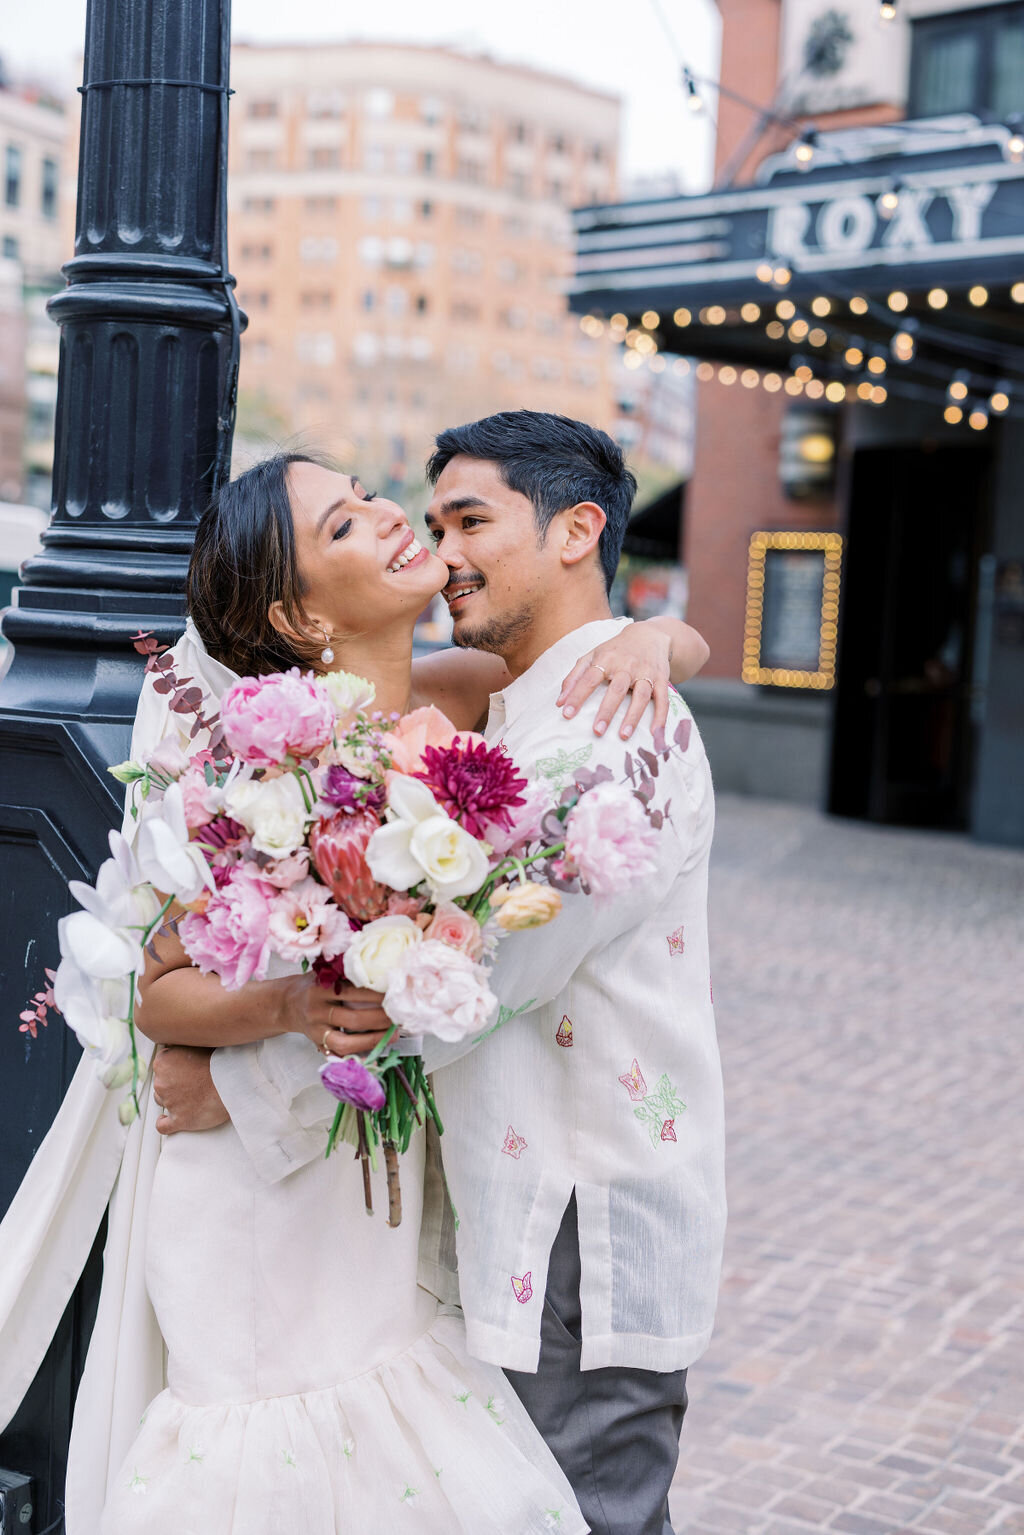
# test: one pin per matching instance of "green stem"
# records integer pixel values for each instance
(335, 1127)
(130, 1020)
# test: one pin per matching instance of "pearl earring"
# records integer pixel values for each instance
(327, 654)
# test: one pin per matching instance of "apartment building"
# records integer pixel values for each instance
(400, 232)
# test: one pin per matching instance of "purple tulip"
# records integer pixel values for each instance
(347, 1079)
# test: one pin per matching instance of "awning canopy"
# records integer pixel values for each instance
(895, 260)
(655, 531)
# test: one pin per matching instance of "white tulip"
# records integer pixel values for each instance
(166, 857)
(97, 1012)
(377, 948)
(102, 952)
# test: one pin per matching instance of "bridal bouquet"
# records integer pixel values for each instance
(300, 826)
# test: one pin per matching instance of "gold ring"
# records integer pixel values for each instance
(648, 681)
(323, 1044)
(599, 668)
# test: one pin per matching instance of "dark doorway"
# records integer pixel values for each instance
(902, 741)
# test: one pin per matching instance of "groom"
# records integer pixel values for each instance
(584, 1141)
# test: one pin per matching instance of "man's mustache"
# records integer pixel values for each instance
(463, 579)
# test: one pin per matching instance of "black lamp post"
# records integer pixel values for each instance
(145, 408)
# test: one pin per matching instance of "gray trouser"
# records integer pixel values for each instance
(614, 1432)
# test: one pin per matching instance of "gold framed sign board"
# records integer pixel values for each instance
(792, 616)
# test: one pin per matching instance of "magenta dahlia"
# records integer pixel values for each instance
(477, 784)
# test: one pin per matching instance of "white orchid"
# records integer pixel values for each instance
(97, 1012)
(421, 842)
(165, 855)
(101, 952)
(121, 898)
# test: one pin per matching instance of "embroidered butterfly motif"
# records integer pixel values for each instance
(523, 1288)
(660, 1110)
(675, 942)
(514, 1144)
(668, 1130)
(560, 768)
(564, 1035)
(634, 1083)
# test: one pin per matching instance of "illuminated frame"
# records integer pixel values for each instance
(831, 544)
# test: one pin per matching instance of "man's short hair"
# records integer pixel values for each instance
(555, 462)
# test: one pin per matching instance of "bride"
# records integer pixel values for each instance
(311, 1385)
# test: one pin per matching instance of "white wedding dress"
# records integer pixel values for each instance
(312, 1387)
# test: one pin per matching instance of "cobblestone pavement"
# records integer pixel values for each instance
(867, 1373)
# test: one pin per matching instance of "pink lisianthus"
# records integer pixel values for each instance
(455, 927)
(439, 990)
(609, 840)
(269, 719)
(285, 872)
(168, 756)
(524, 821)
(305, 923)
(407, 906)
(416, 731)
(231, 937)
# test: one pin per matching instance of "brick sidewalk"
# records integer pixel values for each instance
(867, 1373)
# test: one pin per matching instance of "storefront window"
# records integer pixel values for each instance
(971, 61)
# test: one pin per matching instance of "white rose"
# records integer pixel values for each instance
(452, 861)
(377, 948)
(420, 843)
(272, 811)
(347, 692)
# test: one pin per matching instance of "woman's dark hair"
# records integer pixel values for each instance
(242, 562)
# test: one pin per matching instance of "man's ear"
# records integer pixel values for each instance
(304, 638)
(582, 526)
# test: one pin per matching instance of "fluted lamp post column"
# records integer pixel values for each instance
(145, 408)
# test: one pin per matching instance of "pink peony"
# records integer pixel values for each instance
(414, 733)
(231, 937)
(269, 719)
(524, 821)
(197, 796)
(439, 990)
(285, 872)
(407, 906)
(305, 923)
(475, 783)
(610, 841)
(455, 927)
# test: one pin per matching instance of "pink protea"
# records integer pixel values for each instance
(609, 840)
(475, 783)
(231, 937)
(338, 843)
(268, 720)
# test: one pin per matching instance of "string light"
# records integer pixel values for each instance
(853, 357)
(876, 364)
(1017, 293)
(715, 315)
(1000, 399)
(904, 341)
(803, 373)
(751, 312)
(781, 276)
(897, 301)
(953, 414)
(618, 322)
(772, 382)
(977, 295)
(821, 307)
(650, 319)
(890, 200)
(958, 386)
(938, 298)
(858, 305)
(805, 147)
(681, 366)
(794, 386)
(978, 419)
(1013, 149)
(775, 330)
(693, 97)
(818, 337)
(835, 391)
(864, 390)
(705, 371)
(765, 272)
(798, 330)
(887, 10)
(814, 388)
(879, 395)
(785, 309)
(658, 364)
(750, 378)
(682, 317)
(727, 375)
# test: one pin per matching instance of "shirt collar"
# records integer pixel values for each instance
(546, 674)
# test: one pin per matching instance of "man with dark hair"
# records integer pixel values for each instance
(584, 1141)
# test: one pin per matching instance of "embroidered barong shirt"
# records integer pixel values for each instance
(599, 1075)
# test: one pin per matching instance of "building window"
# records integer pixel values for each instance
(260, 159)
(375, 158)
(401, 210)
(264, 108)
(518, 132)
(468, 218)
(426, 210)
(12, 176)
(558, 144)
(428, 162)
(431, 109)
(258, 205)
(515, 182)
(324, 157)
(48, 193)
(318, 204)
(311, 249)
(469, 170)
(257, 252)
(368, 299)
(317, 300)
(422, 303)
(379, 103)
(405, 160)
(372, 207)
(321, 104)
(10, 248)
(970, 61)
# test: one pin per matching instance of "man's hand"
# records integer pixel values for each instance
(183, 1089)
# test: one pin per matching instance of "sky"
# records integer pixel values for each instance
(632, 47)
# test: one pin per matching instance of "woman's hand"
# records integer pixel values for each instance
(349, 1024)
(642, 659)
